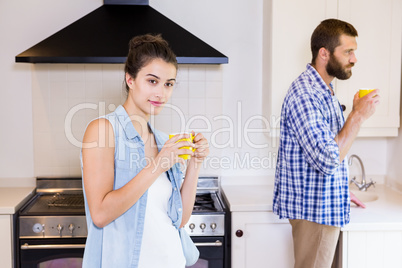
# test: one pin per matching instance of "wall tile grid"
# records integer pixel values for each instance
(66, 97)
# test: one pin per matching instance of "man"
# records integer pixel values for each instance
(311, 182)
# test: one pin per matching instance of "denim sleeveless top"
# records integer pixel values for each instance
(118, 244)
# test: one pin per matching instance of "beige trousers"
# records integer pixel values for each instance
(314, 244)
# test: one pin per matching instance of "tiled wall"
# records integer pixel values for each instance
(67, 96)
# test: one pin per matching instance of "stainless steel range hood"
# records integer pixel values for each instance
(102, 36)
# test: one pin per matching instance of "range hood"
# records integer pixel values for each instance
(103, 35)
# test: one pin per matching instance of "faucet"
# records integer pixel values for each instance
(363, 186)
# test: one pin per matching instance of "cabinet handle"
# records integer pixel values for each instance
(239, 233)
(343, 106)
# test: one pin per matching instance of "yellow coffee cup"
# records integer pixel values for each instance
(364, 91)
(191, 139)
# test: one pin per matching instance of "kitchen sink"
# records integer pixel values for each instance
(365, 196)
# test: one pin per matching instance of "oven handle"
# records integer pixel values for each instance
(57, 246)
(217, 243)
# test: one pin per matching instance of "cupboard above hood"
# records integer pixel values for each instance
(103, 35)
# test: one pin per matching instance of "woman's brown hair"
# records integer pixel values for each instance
(145, 48)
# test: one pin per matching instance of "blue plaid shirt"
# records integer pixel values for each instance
(310, 181)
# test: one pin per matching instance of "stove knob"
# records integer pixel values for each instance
(71, 228)
(213, 226)
(202, 226)
(192, 226)
(59, 228)
(37, 228)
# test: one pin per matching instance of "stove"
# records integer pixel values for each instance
(208, 216)
(56, 211)
(52, 227)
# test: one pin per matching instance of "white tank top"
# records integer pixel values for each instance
(161, 245)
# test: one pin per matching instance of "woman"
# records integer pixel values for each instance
(134, 199)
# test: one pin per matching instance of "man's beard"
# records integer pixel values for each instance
(334, 68)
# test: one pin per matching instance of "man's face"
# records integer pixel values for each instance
(343, 59)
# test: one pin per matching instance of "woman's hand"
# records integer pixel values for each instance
(189, 187)
(169, 154)
(202, 148)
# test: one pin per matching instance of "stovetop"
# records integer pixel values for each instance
(64, 196)
(55, 204)
(59, 204)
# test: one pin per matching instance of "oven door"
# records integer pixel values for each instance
(49, 253)
(211, 251)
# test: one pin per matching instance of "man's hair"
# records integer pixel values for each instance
(327, 35)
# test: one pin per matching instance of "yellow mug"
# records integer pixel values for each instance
(191, 139)
(364, 91)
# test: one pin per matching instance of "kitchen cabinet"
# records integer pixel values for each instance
(6, 241)
(287, 33)
(260, 239)
(373, 238)
(370, 249)
(11, 199)
(379, 24)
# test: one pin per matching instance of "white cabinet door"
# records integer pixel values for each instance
(288, 25)
(260, 240)
(379, 24)
(372, 249)
(6, 242)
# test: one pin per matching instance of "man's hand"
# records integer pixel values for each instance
(362, 109)
(354, 199)
(366, 106)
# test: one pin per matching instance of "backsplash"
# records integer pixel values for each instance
(66, 97)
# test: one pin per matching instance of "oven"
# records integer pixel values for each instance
(52, 253)
(51, 226)
(209, 225)
(52, 230)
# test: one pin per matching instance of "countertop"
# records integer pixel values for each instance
(11, 198)
(248, 197)
(385, 213)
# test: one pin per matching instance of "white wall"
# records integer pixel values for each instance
(23, 24)
(233, 27)
(394, 165)
(66, 97)
(236, 29)
(373, 153)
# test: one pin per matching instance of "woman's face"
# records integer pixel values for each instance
(152, 87)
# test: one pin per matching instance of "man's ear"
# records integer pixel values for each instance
(324, 54)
